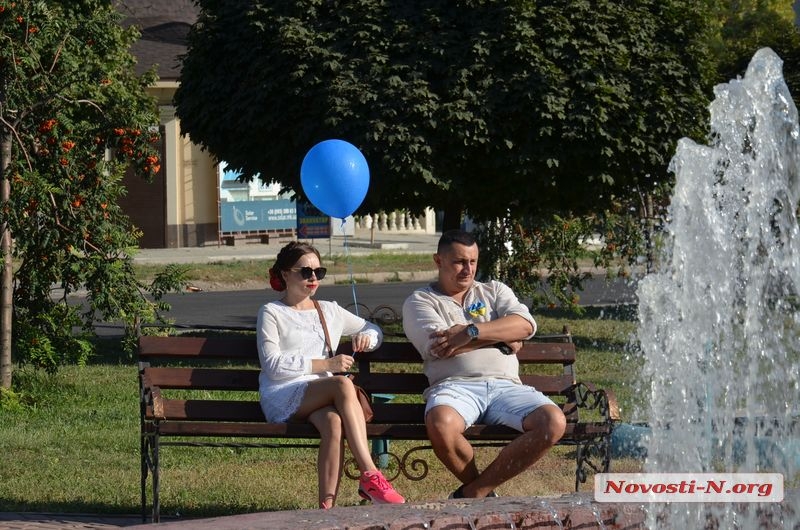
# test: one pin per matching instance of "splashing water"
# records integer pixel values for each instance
(720, 322)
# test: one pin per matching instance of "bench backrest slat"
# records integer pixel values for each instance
(531, 352)
(244, 348)
(398, 412)
(393, 383)
(212, 410)
(555, 385)
(547, 353)
(192, 348)
(203, 378)
(389, 352)
(416, 383)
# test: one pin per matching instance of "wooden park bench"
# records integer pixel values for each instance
(176, 375)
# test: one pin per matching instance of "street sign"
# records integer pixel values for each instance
(312, 223)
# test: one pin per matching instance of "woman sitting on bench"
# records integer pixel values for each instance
(296, 338)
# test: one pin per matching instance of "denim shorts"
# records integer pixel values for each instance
(491, 401)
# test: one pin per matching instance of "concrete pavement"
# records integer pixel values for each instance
(546, 513)
(575, 510)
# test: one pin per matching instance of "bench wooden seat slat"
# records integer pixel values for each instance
(238, 429)
(204, 391)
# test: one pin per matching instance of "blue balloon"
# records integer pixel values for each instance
(335, 177)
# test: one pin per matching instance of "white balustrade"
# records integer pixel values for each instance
(397, 221)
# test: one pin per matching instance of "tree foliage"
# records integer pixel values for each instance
(551, 120)
(744, 27)
(74, 116)
(482, 106)
(544, 259)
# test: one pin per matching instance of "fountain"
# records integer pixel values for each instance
(720, 322)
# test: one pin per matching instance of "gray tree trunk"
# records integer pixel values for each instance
(7, 276)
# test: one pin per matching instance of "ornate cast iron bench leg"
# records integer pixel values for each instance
(594, 454)
(150, 465)
(156, 477)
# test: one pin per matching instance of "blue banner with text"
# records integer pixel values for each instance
(244, 216)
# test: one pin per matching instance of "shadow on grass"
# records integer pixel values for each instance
(74, 508)
(78, 514)
(622, 312)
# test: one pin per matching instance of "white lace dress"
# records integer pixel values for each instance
(288, 340)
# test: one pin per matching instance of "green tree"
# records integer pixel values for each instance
(73, 117)
(745, 26)
(479, 106)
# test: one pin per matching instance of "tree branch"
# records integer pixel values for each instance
(19, 140)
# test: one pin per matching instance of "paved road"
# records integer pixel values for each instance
(238, 309)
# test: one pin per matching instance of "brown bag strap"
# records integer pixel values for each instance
(324, 327)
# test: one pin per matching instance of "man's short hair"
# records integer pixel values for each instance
(455, 235)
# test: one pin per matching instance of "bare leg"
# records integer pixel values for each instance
(543, 428)
(445, 429)
(339, 392)
(330, 460)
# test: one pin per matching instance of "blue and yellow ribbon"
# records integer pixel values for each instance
(477, 309)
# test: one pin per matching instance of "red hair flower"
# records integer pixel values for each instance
(275, 281)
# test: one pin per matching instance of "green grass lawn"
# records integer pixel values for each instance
(73, 444)
(238, 271)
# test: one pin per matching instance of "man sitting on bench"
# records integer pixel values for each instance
(467, 333)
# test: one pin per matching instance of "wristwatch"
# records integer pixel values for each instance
(472, 331)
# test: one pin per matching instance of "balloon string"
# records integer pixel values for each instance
(349, 266)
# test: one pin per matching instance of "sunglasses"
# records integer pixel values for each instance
(306, 272)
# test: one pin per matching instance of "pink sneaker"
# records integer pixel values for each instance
(372, 486)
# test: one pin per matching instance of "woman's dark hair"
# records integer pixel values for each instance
(287, 257)
(455, 236)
